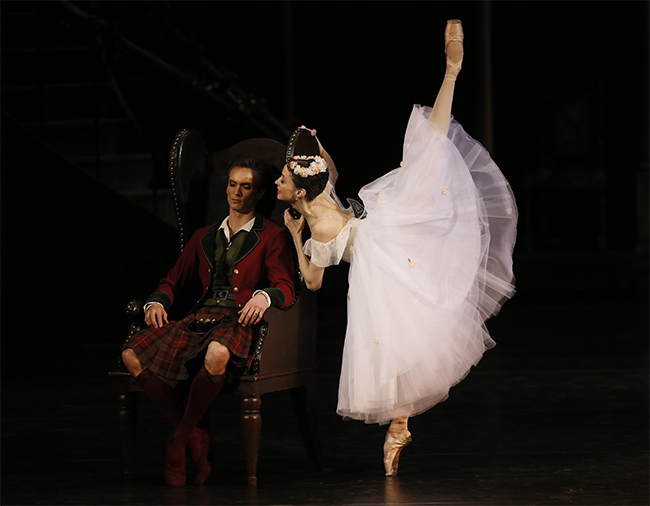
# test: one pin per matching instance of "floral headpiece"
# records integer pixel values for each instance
(317, 166)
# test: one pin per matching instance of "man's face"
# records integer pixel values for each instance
(241, 191)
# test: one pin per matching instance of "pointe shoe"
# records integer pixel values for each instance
(198, 447)
(393, 446)
(454, 33)
(174, 472)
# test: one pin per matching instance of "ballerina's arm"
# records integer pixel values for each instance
(334, 174)
(312, 274)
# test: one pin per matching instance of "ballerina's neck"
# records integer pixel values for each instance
(319, 208)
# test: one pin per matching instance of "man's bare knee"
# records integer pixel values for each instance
(132, 362)
(216, 358)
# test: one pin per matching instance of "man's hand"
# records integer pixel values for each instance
(156, 316)
(253, 311)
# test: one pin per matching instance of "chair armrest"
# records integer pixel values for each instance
(290, 340)
(134, 309)
(135, 315)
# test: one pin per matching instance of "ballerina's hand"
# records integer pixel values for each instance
(295, 226)
(312, 130)
(313, 134)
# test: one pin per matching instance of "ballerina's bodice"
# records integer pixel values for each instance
(341, 247)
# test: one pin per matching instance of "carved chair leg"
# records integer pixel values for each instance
(251, 428)
(128, 418)
(305, 408)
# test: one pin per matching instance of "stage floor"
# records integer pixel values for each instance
(555, 414)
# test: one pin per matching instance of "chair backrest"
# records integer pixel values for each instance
(198, 180)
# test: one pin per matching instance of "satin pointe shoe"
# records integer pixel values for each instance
(392, 449)
(198, 446)
(174, 472)
(454, 52)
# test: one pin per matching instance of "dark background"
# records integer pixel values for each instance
(93, 94)
(558, 92)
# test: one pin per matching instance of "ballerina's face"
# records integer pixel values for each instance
(287, 190)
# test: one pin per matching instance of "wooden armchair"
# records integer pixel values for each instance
(285, 350)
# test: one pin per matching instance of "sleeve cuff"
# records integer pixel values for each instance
(149, 304)
(161, 298)
(266, 296)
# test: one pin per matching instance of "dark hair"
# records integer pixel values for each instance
(263, 179)
(262, 170)
(313, 185)
(302, 143)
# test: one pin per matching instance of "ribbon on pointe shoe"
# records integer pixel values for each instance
(453, 33)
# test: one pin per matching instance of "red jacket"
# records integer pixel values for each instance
(266, 261)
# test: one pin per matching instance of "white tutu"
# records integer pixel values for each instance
(430, 262)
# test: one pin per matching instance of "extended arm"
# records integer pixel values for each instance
(334, 174)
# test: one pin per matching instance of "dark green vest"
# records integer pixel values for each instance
(224, 259)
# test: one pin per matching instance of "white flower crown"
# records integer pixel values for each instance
(317, 166)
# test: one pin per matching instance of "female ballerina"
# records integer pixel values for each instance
(430, 262)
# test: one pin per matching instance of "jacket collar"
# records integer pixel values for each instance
(252, 239)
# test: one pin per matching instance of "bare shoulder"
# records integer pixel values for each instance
(327, 229)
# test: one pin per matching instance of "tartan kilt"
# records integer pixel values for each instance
(165, 350)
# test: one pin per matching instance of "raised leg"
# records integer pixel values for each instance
(251, 429)
(441, 113)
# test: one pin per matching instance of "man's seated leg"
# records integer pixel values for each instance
(162, 394)
(216, 359)
(132, 362)
(206, 386)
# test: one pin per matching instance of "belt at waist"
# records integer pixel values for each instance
(221, 297)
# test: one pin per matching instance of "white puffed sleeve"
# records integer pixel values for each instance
(332, 252)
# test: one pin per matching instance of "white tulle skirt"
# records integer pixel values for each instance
(431, 262)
